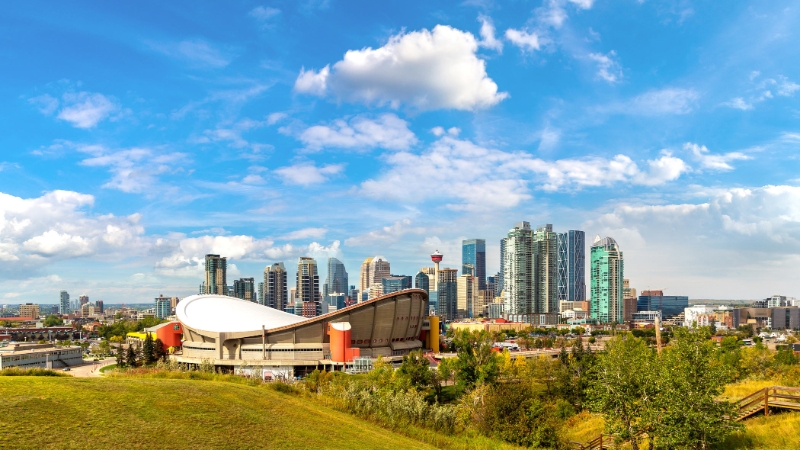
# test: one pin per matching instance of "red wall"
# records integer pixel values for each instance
(169, 335)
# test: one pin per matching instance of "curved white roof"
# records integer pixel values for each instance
(219, 313)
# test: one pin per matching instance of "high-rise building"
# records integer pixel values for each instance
(29, 310)
(629, 300)
(545, 270)
(655, 300)
(336, 281)
(84, 299)
(98, 304)
(422, 281)
(607, 267)
(275, 287)
(481, 303)
(500, 281)
(467, 291)
(216, 269)
(307, 282)
(518, 281)
(244, 288)
(473, 259)
(447, 294)
(260, 292)
(378, 270)
(365, 277)
(163, 307)
(395, 283)
(572, 266)
(64, 303)
(353, 294)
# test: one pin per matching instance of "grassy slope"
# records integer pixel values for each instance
(44, 412)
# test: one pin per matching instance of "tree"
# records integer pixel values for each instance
(148, 350)
(130, 357)
(416, 369)
(160, 352)
(120, 357)
(625, 389)
(476, 363)
(690, 378)
(53, 320)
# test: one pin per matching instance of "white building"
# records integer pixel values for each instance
(45, 356)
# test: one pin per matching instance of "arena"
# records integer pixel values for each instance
(236, 334)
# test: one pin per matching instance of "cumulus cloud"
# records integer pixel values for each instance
(387, 131)
(45, 103)
(424, 69)
(527, 41)
(58, 226)
(488, 39)
(719, 162)
(80, 109)
(384, 236)
(762, 90)
(607, 68)
(307, 173)
(474, 176)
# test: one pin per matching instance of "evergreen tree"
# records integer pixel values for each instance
(120, 357)
(148, 350)
(159, 351)
(130, 357)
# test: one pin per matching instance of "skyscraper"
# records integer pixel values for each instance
(244, 288)
(500, 281)
(365, 278)
(607, 276)
(447, 293)
(373, 270)
(216, 268)
(545, 271)
(307, 280)
(84, 299)
(276, 294)
(260, 292)
(162, 307)
(518, 281)
(572, 266)
(473, 259)
(336, 281)
(98, 304)
(422, 281)
(64, 303)
(467, 292)
(395, 283)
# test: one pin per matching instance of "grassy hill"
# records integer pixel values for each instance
(56, 412)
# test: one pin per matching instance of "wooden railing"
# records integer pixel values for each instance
(773, 397)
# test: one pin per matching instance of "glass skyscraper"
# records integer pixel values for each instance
(276, 294)
(572, 266)
(473, 259)
(244, 288)
(64, 303)
(336, 281)
(307, 280)
(395, 283)
(606, 304)
(422, 281)
(216, 269)
(518, 280)
(545, 272)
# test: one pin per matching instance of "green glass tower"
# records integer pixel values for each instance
(607, 278)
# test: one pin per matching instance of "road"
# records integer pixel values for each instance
(91, 368)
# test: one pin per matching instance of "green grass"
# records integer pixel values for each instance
(120, 412)
(108, 367)
(776, 431)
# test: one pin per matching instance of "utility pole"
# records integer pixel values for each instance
(658, 335)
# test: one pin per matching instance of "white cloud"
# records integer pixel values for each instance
(607, 68)
(473, 176)
(384, 236)
(387, 131)
(422, 69)
(312, 82)
(786, 88)
(583, 4)
(133, 170)
(276, 117)
(660, 102)
(81, 109)
(57, 226)
(738, 103)
(197, 52)
(488, 39)
(307, 173)
(264, 13)
(305, 233)
(711, 161)
(437, 131)
(523, 39)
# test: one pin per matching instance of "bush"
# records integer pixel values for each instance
(36, 372)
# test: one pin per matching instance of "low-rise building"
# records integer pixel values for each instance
(45, 356)
(29, 310)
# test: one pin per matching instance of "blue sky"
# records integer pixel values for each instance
(137, 138)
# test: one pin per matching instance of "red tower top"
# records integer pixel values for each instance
(436, 256)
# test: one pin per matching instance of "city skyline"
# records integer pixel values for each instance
(138, 140)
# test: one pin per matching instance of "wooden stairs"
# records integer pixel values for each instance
(763, 400)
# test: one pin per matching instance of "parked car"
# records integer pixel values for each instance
(66, 369)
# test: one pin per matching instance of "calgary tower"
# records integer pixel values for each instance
(436, 257)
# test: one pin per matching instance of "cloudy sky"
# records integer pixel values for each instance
(136, 138)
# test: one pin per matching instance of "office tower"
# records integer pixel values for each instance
(482, 302)
(163, 307)
(473, 259)
(336, 301)
(307, 281)
(627, 290)
(395, 283)
(84, 299)
(29, 310)
(518, 281)
(275, 287)
(336, 281)
(467, 292)
(447, 293)
(655, 300)
(378, 269)
(422, 281)
(98, 304)
(64, 303)
(545, 270)
(260, 292)
(244, 288)
(572, 266)
(607, 267)
(354, 294)
(365, 278)
(216, 281)
(500, 282)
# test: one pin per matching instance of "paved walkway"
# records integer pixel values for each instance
(90, 368)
